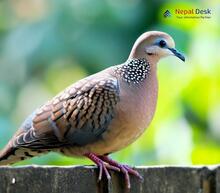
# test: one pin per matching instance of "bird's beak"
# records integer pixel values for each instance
(177, 54)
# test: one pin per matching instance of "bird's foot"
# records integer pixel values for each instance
(104, 163)
(125, 169)
(103, 166)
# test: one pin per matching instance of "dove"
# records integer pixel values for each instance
(100, 114)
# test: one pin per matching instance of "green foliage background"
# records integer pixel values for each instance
(46, 45)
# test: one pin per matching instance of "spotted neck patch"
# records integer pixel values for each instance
(134, 70)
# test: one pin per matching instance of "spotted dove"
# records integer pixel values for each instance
(99, 114)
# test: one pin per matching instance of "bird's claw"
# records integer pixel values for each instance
(104, 167)
(104, 163)
(125, 169)
(133, 172)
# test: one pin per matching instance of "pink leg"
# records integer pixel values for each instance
(126, 170)
(104, 163)
(102, 166)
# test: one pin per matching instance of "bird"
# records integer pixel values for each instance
(100, 114)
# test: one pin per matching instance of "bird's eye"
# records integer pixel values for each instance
(162, 43)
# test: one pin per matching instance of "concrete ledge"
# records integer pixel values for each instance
(81, 179)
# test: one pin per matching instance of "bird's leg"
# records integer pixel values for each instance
(103, 166)
(126, 170)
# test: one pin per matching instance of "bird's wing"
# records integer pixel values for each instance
(77, 116)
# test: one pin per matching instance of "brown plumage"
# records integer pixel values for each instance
(100, 114)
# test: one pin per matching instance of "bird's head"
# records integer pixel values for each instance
(154, 45)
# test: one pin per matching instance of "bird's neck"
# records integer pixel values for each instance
(134, 71)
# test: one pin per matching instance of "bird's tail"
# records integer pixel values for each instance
(7, 155)
(10, 155)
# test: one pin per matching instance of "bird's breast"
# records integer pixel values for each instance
(134, 114)
(137, 107)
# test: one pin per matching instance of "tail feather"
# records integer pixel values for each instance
(7, 155)
(10, 155)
